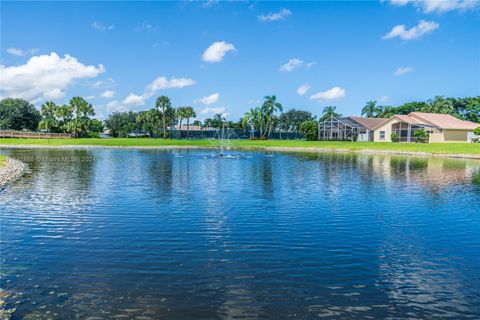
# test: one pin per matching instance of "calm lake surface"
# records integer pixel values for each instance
(183, 234)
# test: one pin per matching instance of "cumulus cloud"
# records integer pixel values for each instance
(44, 76)
(134, 100)
(208, 110)
(217, 51)
(275, 16)
(21, 53)
(331, 94)
(439, 6)
(303, 89)
(423, 28)
(160, 83)
(403, 70)
(209, 99)
(295, 63)
(100, 26)
(107, 94)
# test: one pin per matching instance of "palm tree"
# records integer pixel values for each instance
(370, 110)
(329, 111)
(269, 107)
(163, 104)
(189, 113)
(253, 118)
(48, 111)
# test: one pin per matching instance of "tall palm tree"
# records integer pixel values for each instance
(370, 110)
(269, 107)
(49, 121)
(189, 113)
(163, 104)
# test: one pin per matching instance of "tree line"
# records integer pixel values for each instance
(77, 117)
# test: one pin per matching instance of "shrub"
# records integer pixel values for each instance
(477, 131)
(421, 136)
(394, 136)
(355, 137)
(309, 129)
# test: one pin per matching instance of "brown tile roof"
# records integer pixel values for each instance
(368, 123)
(444, 121)
(410, 120)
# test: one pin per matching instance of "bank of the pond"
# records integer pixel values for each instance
(10, 169)
(456, 150)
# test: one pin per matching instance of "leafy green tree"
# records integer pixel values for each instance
(49, 121)
(18, 114)
(96, 127)
(121, 124)
(291, 120)
(370, 109)
(310, 130)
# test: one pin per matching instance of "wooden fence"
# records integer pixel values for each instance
(33, 135)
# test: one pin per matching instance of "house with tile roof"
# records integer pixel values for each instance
(441, 128)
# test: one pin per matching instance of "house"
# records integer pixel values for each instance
(441, 127)
(348, 128)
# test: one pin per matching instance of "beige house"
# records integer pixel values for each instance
(442, 127)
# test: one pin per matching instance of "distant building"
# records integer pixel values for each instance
(441, 127)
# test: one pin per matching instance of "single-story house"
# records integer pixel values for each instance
(441, 127)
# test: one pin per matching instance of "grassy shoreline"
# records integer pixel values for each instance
(445, 149)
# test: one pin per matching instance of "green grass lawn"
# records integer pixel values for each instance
(438, 148)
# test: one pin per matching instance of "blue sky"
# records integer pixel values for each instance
(225, 56)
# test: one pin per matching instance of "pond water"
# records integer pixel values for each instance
(183, 234)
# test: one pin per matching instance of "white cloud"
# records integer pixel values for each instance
(303, 89)
(423, 28)
(116, 106)
(135, 100)
(295, 63)
(44, 76)
(20, 52)
(217, 51)
(439, 6)
(275, 16)
(331, 94)
(161, 83)
(403, 70)
(208, 110)
(108, 82)
(399, 2)
(107, 94)
(209, 99)
(100, 26)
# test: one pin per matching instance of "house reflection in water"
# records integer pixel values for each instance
(432, 172)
